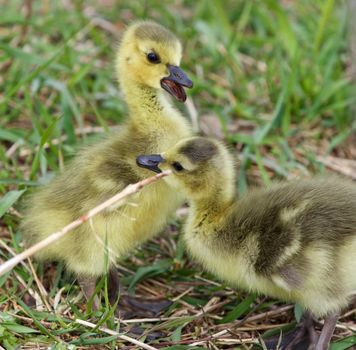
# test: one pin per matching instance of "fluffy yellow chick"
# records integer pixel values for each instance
(295, 240)
(147, 63)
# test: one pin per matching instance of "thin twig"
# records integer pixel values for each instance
(193, 113)
(183, 294)
(111, 332)
(31, 291)
(13, 253)
(227, 340)
(41, 289)
(268, 314)
(343, 166)
(100, 22)
(128, 190)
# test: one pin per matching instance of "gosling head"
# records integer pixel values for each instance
(150, 55)
(201, 168)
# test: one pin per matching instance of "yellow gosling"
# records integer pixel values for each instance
(295, 241)
(147, 66)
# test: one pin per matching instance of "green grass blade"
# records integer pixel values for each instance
(8, 200)
(346, 343)
(328, 7)
(240, 309)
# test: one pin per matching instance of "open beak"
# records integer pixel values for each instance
(175, 81)
(150, 162)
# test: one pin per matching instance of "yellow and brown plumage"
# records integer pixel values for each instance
(147, 63)
(295, 241)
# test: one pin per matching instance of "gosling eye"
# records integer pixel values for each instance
(153, 57)
(177, 166)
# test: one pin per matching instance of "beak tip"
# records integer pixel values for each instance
(150, 162)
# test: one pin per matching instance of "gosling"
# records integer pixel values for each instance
(295, 241)
(147, 64)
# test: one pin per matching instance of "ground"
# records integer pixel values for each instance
(274, 79)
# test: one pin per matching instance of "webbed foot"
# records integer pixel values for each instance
(304, 337)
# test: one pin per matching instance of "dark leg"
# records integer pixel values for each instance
(114, 289)
(304, 334)
(126, 306)
(301, 338)
(327, 332)
(130, 306)
(87, 285)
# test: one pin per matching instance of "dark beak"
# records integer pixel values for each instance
(150, 162)
(175, 81)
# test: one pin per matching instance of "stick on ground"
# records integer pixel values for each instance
(121, 336)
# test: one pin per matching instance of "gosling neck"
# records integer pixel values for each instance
(144, 101)
(216, 204)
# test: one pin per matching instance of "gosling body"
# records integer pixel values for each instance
(145, 58)
(295, 241)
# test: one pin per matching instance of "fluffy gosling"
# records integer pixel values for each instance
(147, 65)
(295, 241)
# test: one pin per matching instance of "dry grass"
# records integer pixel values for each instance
(272, 78)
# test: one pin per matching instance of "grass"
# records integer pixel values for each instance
(270, 77)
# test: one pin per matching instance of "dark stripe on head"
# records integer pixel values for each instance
(199, 150)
